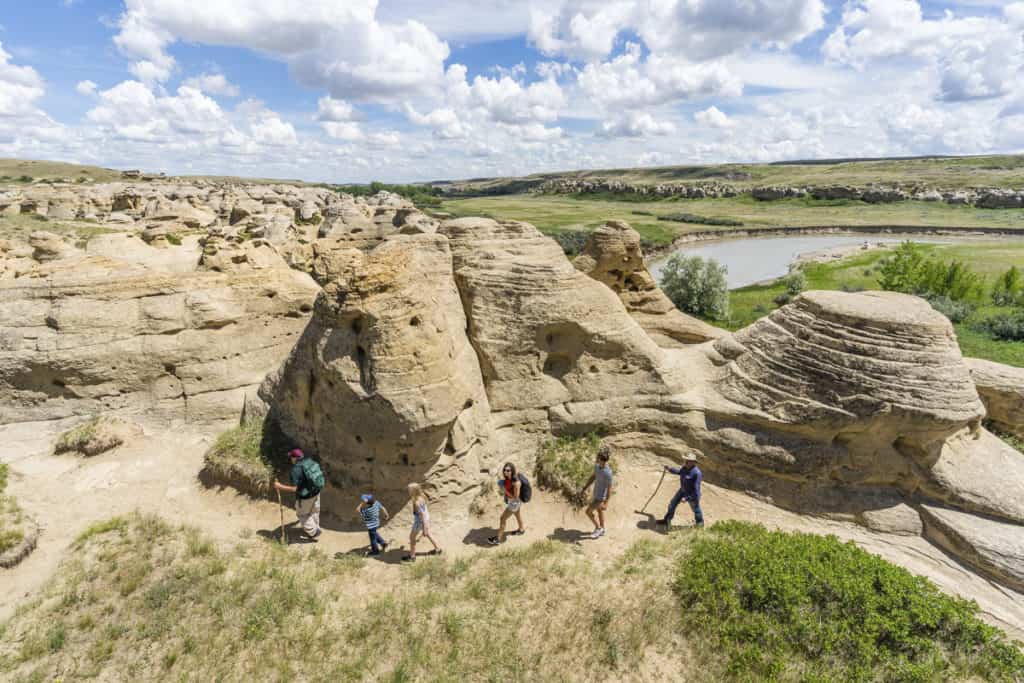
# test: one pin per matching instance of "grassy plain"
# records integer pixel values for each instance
(142, 600)
(556, 213)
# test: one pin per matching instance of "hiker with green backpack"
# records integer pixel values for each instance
(308, 480)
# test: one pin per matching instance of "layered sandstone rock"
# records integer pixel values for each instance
(613, 256)
(1001, 388)
(384, 386)
(90, 334)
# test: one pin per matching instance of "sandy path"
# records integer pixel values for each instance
(66, 494)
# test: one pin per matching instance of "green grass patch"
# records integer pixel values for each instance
(245, 457)
(699, 220)
(564, 465)
(801, 607)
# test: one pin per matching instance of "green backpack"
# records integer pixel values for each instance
(312, 476)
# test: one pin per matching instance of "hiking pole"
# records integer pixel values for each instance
(658, 488)
(280, 507)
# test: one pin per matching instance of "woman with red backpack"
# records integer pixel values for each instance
(516, 490)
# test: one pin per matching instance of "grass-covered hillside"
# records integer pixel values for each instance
(142, 600)
(1003, 171)
(661, 221)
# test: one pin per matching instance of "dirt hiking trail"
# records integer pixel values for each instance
(67, 493)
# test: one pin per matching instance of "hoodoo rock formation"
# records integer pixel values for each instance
(397, 348)
(613, 257)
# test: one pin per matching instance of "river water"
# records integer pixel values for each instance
(750, 260)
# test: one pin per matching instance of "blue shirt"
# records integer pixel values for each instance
(689, 481)
(371, 515)
(602, 481)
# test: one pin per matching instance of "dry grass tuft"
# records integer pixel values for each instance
(98, 435)
(565, 464)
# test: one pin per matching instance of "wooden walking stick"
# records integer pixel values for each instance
(280, 507)
(658, 488)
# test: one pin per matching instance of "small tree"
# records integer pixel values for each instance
(795, 283)
(900, 272)
(1008, 288)
(696, 286)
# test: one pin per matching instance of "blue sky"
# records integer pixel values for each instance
(404, 90)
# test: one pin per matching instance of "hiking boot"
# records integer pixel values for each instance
(493, 540)
(517, 532)
(408, 558)
(598, 533)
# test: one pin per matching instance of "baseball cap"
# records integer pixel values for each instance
(296, 453)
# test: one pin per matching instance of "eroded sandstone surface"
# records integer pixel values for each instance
(398, 348)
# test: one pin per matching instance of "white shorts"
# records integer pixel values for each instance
(513, 505)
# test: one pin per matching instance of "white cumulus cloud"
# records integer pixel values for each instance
(213, 84)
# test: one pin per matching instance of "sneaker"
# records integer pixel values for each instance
(662, 522)
(517, 532)
(315, 537)
(439, 551)
(370, 553)
(408, 558)
(598, 533)
(493, 540)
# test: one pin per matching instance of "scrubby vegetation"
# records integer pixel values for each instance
(245, 457)
(696, 286)
(142, 600)
(700, 220)
(11, 532)
(565, 464)
(89, 438)
(781, 606)
(910, 270)
(423, 196)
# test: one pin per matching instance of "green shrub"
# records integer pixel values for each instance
(782, 299)
(700, 220)
(420, 195)
(696, 286)
(956, 311)
(174, 239)
(1005, 326)
(908, 270)
(565, 464)
(795, 282)
(571, 241)
(782, 606)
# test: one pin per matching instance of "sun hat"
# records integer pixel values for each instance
(692, 455)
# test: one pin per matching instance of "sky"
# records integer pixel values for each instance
(412, 90)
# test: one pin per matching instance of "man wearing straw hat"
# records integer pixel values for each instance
(689, 490)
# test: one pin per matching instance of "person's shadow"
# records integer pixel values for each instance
(569, 535)
(390, 556)
(650, 523)
(292, 532)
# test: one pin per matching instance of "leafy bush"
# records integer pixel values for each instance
(1005, 326)
(696, 286)
(908, 270)
(700, 220)
(782, 299)
(795, 282)
(565, 464)
(804, 607)
(1008, 288)
(956, 311)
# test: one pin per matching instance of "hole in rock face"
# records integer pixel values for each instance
(550, 339)
(359, 439)
(593, 368)
(468, 404)
(357, 325)
(405, 458)
(415, 322)
(365, 376)
(557, 366)
(59, 383)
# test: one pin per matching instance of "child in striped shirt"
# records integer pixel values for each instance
(370, 510)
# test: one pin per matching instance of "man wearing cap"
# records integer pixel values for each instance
(307, 480)
(689, 490)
